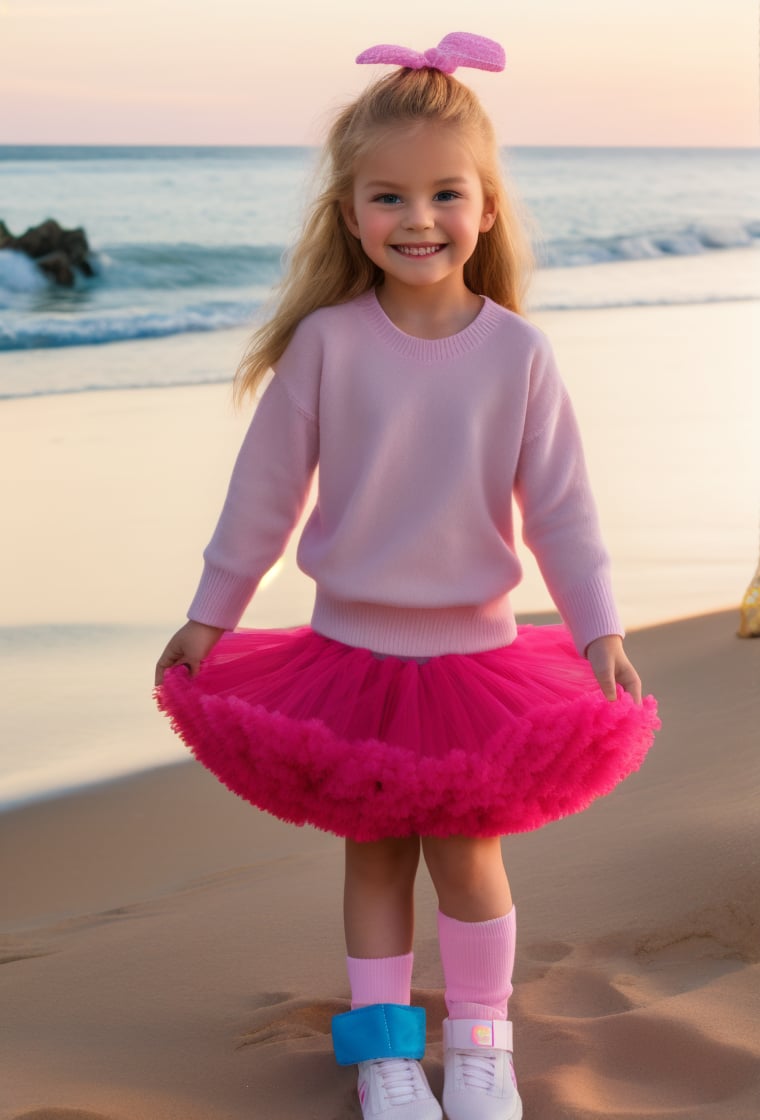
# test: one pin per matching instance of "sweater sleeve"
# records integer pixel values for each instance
(267, 493)
(560, 521)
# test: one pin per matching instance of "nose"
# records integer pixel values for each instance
(418, 215)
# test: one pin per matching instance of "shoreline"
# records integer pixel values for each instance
(715, 278)
(554, 283)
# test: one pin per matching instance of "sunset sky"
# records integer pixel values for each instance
(593, 72)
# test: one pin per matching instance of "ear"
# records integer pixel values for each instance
(349, 217)
(488, 216)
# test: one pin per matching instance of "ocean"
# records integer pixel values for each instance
(192, 239)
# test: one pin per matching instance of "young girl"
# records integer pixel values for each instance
(413, 715)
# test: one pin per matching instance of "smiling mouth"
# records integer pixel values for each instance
(418, 250)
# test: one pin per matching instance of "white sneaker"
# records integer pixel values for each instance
(396, 1089)
(479, 1078)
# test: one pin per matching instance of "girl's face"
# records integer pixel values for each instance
(418, 206)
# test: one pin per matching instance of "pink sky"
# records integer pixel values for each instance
(628, 72)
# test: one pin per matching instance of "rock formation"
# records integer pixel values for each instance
(60, 253)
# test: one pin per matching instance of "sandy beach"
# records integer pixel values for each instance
(169, 953)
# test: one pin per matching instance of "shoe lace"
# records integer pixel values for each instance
(478, 1070)
(398, 1079)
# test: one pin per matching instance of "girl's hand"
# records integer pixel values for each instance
(188, 647)
(611, 666)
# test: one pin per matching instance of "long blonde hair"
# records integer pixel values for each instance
(328, 266)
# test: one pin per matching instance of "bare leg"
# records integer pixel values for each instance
(378, 898)
(469, 877)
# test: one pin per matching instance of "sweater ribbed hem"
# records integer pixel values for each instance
(414, 631)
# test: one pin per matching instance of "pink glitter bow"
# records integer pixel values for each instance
(457, 49)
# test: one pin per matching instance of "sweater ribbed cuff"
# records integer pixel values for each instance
(589, 611)
(221, 597)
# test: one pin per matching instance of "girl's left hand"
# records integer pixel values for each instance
(611, 666)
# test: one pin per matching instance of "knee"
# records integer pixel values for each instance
(464, 867)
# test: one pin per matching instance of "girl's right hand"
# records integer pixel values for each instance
(188, 647)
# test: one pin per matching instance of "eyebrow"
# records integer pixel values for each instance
(386, 184)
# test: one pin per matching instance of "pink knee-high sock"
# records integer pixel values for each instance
(477, 959)
(380, 980)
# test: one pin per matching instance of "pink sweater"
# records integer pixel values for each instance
(421, 445)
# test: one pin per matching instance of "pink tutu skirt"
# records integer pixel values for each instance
(369, 747)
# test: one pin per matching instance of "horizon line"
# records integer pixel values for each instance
(248, 145)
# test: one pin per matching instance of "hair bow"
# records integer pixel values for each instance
(457, 49)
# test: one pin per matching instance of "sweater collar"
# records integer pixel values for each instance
(429, 350)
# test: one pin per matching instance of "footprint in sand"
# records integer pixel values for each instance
(574, 992)
(620, 972)
(283, 1018)
(622, 1042)
(536, 959)
(695, 952)
(548, 951)
(649, 1065)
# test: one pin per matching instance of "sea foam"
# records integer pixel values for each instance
(19, 274)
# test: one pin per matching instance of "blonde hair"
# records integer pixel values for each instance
(328, 266)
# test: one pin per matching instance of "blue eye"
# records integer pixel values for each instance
(446, 196)
(389, 199)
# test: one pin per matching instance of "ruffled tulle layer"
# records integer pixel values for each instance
(481, 744)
